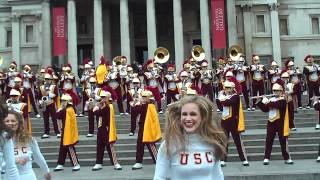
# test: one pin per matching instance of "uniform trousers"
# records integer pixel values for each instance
(91, 121)
(313, 90)
(257, 86)
(245, 93)
(32, 101)
(207, 89)
(140, 146)
(70, 150)
(102, 143)
(272, 129)
(133, 118)
(50, 111)
(171, 95)
(120, 99)
(291, 114)
(230, 126)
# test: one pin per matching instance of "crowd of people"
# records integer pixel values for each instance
(193, 97)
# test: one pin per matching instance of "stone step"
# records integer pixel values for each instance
(84, 160)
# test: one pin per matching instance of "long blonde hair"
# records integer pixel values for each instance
(210, 129)
(22, 136)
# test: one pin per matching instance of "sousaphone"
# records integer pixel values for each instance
(197, 53)
(161, 55)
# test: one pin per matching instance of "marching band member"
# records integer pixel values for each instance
(89, 92)
(316, 106)
(273, 74)
(85, 81)
(241, 74)
(123, 75)
(206, 80)
(218, 77)
(194, 71)
(278, 122)
(232, 116)
(115, 82)
(28, 87)
(11, 74)
(68, 84)
(289, 94)
(129, 84)
(47, 96)
(2, 83)
(69, 132)
(15, 104)
(153, 82)
(257, 73)
(229, 66)
(295, 76)
(311, 71)
(101, 72)
(183, 85)
(149, 129)
(170, 86)
(134, 97)
(107, 133)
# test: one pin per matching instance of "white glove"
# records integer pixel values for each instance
(265, 100)
(40, 102)
(51, 95)
(222, 97)
(253, 68)
(244, 68)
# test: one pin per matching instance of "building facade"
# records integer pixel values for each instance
(273, 29)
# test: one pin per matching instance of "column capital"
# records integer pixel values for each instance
(246, 7)
(273, 6)
(15, 17)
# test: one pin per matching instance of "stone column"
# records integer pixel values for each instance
(205, 30)
(178, 34)
(46, 34)
(72, 36)
(98, 35)
(107, 32)
(16, 40)
(151, 28)
(124, 29)
(247, 31)
(275, 32)
(232, 23)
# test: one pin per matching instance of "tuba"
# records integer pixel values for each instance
(197, 53)
(235, 52)
(161, 55)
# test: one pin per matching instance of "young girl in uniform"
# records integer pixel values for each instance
(25, 148)
(107, 134)
(194, 142)
(69, 135)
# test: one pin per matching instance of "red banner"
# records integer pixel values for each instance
(59, 31)
(218, 24)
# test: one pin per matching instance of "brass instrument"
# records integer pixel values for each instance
(161, 55)
(197, 53)
(91, 103)
(235, 52)
(269, 95)
(117, 61)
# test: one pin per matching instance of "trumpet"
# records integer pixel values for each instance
(269, 95)
(91, 103)
(45, 99)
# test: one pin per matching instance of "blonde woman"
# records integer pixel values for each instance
(194, 142)
(6, 146)
(25, 148)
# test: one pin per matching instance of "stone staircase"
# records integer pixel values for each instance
(303, 143)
